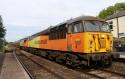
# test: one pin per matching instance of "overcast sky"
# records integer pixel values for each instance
(26, 17)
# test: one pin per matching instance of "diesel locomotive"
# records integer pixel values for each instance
(83, 40)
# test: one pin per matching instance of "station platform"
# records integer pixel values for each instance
(122, 54)
(12, 69)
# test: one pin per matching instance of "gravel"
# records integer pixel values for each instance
(36, 71)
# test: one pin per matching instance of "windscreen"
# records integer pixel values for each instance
(96, 26)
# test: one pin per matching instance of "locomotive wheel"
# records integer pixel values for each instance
(60, 59)
(107, 62)
(43, 53)
(53, 55)
(50, 56)
(93, 64)
(72, 60)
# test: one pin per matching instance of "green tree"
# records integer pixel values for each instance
(2, 33)
(111, 10)
(119, 6)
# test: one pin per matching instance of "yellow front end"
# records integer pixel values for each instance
(97, 42)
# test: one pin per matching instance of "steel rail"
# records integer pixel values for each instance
(25, 68)
(116, 73)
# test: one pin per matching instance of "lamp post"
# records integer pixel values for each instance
(117, 27)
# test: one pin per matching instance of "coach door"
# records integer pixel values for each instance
(69, 38)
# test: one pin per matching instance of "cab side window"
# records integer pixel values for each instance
(75, 27)
(78, 27)
(70, 28)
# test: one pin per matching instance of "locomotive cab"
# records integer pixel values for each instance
(99, 37)
(92, 39)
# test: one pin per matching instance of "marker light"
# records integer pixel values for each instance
(103, 36)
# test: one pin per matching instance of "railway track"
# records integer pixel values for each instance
(59, 71)
(105, 74)
(23, 65)
(122, 60)
(117, 68)
(116, 71)
(34, 70)
(62, 72)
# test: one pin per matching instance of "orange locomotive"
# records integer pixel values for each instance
(82, 40)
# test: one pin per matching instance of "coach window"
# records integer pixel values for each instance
(59, 32)
(52, 34)
(62, 31)
(56, 34)
(24, 41)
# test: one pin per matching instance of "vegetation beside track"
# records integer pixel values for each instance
(2, 34)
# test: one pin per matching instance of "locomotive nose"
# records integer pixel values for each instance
(100, 42)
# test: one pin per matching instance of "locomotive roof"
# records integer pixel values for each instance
(23, 39)
(40, 33)
(84, 18)
(46, 31)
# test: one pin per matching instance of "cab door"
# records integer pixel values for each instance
(69, 38)
(75, 37)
